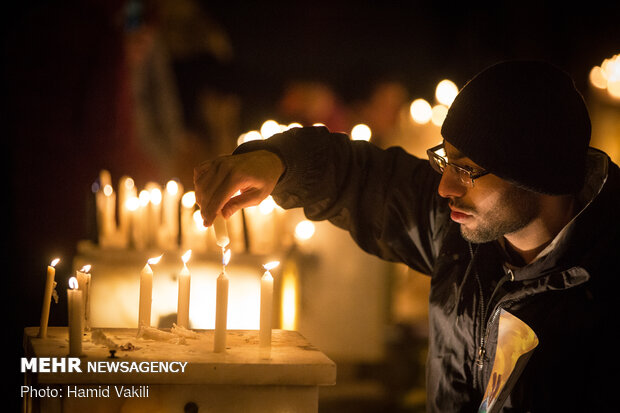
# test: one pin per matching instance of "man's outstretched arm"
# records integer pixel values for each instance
(386, 199)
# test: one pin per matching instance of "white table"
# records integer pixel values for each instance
(239, 380)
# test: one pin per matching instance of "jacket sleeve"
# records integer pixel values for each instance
(387, 199)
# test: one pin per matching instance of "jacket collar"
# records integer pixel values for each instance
(554, 256)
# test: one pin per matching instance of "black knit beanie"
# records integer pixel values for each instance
(525, 122)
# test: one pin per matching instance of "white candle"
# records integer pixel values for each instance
(76, 310)
(146, 293)
(154, 213)
(266, 305)
(200, 233)
(261, 227)
(184, 288)
(126, 191)
(83, 279)
(221, 307)
(170, 218)
(106, 209)
(47, 297)
(188, 200)
(221, 232)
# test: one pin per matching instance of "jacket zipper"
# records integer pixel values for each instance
(481, 353)
(484, 329)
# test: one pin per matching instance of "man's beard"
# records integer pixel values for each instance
(517, 209)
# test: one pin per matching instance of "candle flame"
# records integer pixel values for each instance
(226, 257)
(185, 257)
(85, 268)
(144, 197)
(155, 196)
(198, 221)
(271, 265)
(129, 183)
(188, 199)
(155, 260)
(54, 262)
(267, 205)
(73, 283)
(172, 187)
(132, 203)
(107, 190)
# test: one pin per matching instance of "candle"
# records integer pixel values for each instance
(184, 288)
(221, 307)
(154, 213)
(170, 219)
(221, 232)
(146, 293)
(261, 226)
(200, 233)
(188, 200)
(126, 191)
(266, 306)
(83, 280)
(76, 309)
(106, 210)
(47, 297)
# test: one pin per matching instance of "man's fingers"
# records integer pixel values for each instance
(254, 174)
(208, 184)
(227, 188)
(251, 197)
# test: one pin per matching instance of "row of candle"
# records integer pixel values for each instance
(79, 304)
(167, 218)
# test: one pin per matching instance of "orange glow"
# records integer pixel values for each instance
(421, 111)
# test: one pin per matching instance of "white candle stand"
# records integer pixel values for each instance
(238, 380)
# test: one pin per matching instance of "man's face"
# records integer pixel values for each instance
(491, 208)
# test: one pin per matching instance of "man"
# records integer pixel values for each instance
(521, 220)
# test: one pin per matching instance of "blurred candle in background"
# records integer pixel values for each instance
(169, 233)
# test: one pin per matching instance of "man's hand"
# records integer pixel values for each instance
(254, 174)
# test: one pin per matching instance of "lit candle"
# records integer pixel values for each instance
(154, 213)
(261, 226)
(83, 280)
(106, 209)
(266, 306)
(134, 230)
(170, 219)
(184, 287)
(200, 233)
(146, 293)
(76, 310)
(126, 190)
(221, 232)
(47, 297)
(188, 200)
(221, 307)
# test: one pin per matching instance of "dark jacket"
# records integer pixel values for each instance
(388, 201)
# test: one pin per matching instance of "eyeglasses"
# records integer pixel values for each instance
(439, 163)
